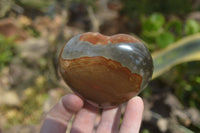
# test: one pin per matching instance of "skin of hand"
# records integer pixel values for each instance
(57, 120)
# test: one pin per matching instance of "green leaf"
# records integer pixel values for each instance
(154, 23)
(185, 50)
(191, 27)
(164, 39)
(175, 26)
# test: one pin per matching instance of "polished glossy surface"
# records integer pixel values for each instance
(106, 70)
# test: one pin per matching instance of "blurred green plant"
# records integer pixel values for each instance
(191, 27)
(6, 50)
(188, 90)
(184, 78)
(35, 4)
(184, 50)
(154, 32)
(86, 2)
(160, 33)
(145, 131)
(135, 7)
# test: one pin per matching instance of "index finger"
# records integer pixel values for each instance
(58, 118)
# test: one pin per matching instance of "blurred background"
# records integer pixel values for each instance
(33, 31)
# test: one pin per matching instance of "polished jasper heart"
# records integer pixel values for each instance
(106, 70)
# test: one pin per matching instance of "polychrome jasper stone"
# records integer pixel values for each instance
(105, 70)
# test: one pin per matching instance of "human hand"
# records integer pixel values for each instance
(57, 120)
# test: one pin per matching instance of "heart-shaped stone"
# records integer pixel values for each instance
(106, 70)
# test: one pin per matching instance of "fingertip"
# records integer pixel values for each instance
(137, 101)
(133, 115)
(72, 102)
(136, 104)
